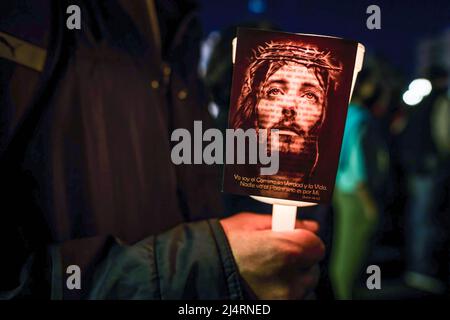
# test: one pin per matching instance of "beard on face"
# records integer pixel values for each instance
(297, 150)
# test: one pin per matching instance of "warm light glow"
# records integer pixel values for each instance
(421, 87)
(411, 98)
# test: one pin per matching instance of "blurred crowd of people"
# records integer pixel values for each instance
(391, 198)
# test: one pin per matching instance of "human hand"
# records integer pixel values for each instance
(275, 265)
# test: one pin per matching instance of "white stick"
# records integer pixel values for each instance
(283, 217)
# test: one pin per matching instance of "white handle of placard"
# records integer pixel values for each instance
(284, 212)
(283, 217)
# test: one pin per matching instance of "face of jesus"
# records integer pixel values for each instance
(292, 101)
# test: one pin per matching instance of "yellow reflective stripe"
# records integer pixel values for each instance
(154, 23)
(22, 52)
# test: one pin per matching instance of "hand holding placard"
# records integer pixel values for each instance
(297, 88)
(275, 265)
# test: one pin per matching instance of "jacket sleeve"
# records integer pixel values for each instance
(190, 261)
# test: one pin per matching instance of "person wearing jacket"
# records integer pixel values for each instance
(86, 176)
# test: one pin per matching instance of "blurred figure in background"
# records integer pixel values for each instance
(360, 181)
(426, 153)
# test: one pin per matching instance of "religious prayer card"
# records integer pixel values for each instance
(289, 101)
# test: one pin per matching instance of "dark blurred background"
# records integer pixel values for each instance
(405, 25)
(398, 218)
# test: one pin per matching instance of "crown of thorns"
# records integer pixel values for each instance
(306, 55)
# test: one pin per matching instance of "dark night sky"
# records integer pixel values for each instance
(403, 23)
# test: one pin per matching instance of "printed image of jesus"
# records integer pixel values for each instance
(286, 87)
